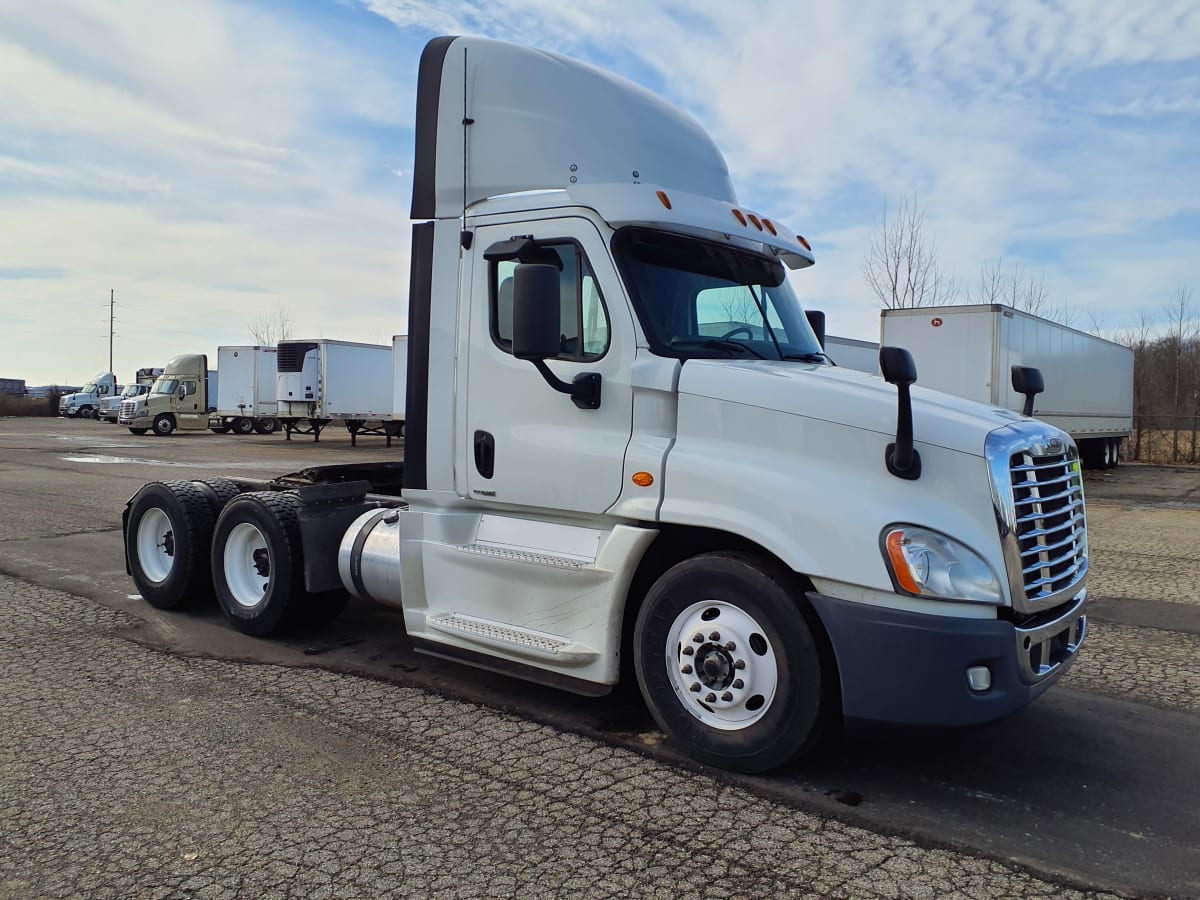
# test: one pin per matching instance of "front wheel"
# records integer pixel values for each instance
(85, 413)
(138, 431)
(164, 424)
(729, 665)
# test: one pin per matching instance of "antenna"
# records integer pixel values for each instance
(112, 303)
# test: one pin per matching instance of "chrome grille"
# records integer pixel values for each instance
(128, 409)
(1051, 530)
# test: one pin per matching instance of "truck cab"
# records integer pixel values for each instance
(627, 457)
(181, 397)
(84, 403)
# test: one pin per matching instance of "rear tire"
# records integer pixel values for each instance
(167, 534)
(218, 492)
(729, 666)
(266, 426)
(164, 424)
(243, 426)
(258, 564)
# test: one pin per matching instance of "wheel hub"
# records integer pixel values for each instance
(262, 562)
(714, 666)
(168, 543)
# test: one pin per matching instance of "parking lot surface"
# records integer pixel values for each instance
(151, 754)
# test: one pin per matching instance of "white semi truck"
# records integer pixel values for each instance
(970, 351)
(182, 397)
(83, 403)
(324, 381)
(109, 409)
(246, 392)
(627, 457)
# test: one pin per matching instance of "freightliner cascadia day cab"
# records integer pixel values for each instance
(181, 397)
(246, 393)
(110, 407)
(626, 454)
(84, 402)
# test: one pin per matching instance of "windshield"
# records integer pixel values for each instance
(165, 386)
(132, 391)
(89, 388)
(697, 298)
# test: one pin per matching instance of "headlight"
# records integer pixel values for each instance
(925, 563)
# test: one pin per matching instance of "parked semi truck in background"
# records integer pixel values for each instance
(970, 350)
(324, 381)
(110, 407)
(596, 485)
(181, 397)
(246, 395)
(83, 403)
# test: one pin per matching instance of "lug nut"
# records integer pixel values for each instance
(738, 684)
(731, 646)
(686, 670)
(739, 664)
(688, 650)
(715, 636)
(695, 688)
(727, 696)
(710, 698)
(698, 638)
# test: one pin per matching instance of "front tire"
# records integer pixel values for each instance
(138, 431)
(164, 424)
(167, 534)
(257, 562)
(729, 665)
(85, 413)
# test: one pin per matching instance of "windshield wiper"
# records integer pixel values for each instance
(808, 357)
(721, 344)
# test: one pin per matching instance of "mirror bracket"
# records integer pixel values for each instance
(584, 390)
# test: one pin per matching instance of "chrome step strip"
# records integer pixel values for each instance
(522, 641)
(518, 554)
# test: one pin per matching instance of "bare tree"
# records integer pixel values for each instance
(272, 326)
(901, 265)
(1179, 340)
(1009, 284)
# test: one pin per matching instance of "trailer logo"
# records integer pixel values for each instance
(936, 321)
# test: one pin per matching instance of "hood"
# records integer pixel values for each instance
(845, 396)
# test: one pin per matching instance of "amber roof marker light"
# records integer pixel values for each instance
(663, 198)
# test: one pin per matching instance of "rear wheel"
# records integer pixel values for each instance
(257, 562)
(266, 426)
(243, 426)
(730, 667)
(164, 424)
(167, 532)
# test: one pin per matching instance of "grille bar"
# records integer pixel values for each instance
(1051, 530)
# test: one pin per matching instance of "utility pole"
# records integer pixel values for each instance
(112, 303)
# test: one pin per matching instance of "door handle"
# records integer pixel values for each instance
(485, 453)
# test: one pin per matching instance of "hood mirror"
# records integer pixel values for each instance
(1028, 381)
(901, 457)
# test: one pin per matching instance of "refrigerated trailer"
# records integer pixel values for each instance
(627, 457)
(246, 394)
(324, 381)
(970, 350)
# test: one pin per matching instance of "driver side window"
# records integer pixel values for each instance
(584, 330)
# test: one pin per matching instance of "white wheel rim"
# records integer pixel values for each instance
(721, 665)
(246, 558)
(156, 545)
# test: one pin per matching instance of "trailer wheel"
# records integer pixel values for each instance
(243, 426)
(729, 666)
(164, 424)
(167, 532)
(257, 562)
(266, 426)
(1115, 459)
(138, 431)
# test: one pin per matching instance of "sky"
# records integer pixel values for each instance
(209, 161)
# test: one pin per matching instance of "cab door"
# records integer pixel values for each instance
(527, 445)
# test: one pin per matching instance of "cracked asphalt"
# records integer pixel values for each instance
(125, 771)
(159, 755)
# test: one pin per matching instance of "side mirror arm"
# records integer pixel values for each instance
(901, 457)
(584, 390)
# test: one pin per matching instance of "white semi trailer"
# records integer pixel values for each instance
(600, 482)
(246, 392)
(324, 381)
(970, 351)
